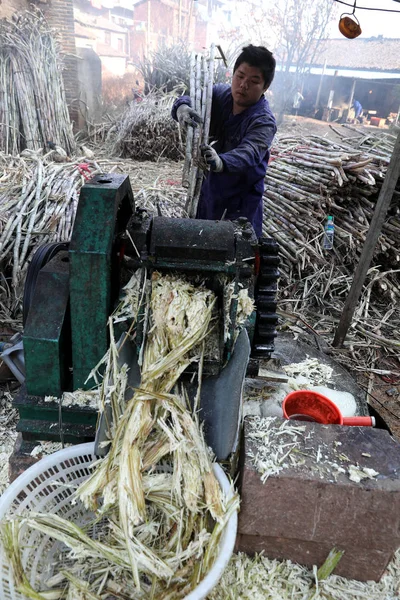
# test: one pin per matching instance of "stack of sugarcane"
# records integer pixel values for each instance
(145, 131)
(309, 178)
(201, 89)
(33, 109)
(38, 200)
(380, 143)
(156, 503)
(167, 68)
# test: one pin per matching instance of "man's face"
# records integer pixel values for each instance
(247, 86)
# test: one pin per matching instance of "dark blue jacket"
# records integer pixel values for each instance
(357, 107)
(243, 142)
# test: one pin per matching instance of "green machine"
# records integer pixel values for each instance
(71, 289)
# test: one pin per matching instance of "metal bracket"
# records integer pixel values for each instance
(104, 209)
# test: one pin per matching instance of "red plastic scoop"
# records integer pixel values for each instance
(306, 405)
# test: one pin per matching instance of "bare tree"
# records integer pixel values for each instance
(300, 25)
(292, 29)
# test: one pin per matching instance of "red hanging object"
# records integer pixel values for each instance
(349, 25)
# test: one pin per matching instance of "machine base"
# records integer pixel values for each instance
(42, 420)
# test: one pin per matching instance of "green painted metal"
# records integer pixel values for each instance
(35, 408)
(47, 336)
(105, 206)
(74, 433)
(44, 420)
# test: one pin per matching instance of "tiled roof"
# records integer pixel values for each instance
(96, 22)
(379, 54)
(85, 32)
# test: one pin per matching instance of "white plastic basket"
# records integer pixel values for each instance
(47, 487)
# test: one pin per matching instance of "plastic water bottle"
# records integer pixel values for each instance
(329, 233)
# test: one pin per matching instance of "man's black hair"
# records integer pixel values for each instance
(258, 56)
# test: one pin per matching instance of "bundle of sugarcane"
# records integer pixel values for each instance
(146, 131)
(156, 501)
(201, 90)
(33, 109)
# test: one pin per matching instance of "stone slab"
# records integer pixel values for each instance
(310, 508)
(5, 373)
(21, 458)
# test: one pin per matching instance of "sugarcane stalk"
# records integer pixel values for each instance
(207, 120)
(189, 131)
(196, 143)
(209, 77)
(205, 87)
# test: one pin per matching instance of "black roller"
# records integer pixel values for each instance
(266, 318)
(41, 257)
(268, 246)
(271, 260)
(266, 303)
(265, 299)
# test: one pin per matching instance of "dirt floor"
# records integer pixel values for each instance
(306, 126)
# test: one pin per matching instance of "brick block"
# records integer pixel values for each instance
(21, 458)
(5, 373)
(303, 512)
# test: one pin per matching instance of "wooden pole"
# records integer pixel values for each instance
(148, 28)
(371, 239)
(353, 88)
(180, 20)
(320, 87)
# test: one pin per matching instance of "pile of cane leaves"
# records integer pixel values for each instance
(259, 578)
(157, 505)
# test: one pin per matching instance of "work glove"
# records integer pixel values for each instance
(212, 158)
(187, 116)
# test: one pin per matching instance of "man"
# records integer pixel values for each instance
(357, 111)
(297, 100)
(242, 129)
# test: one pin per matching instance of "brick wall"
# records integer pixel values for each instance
(200, 39)
(60, 16)
(164, 27)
